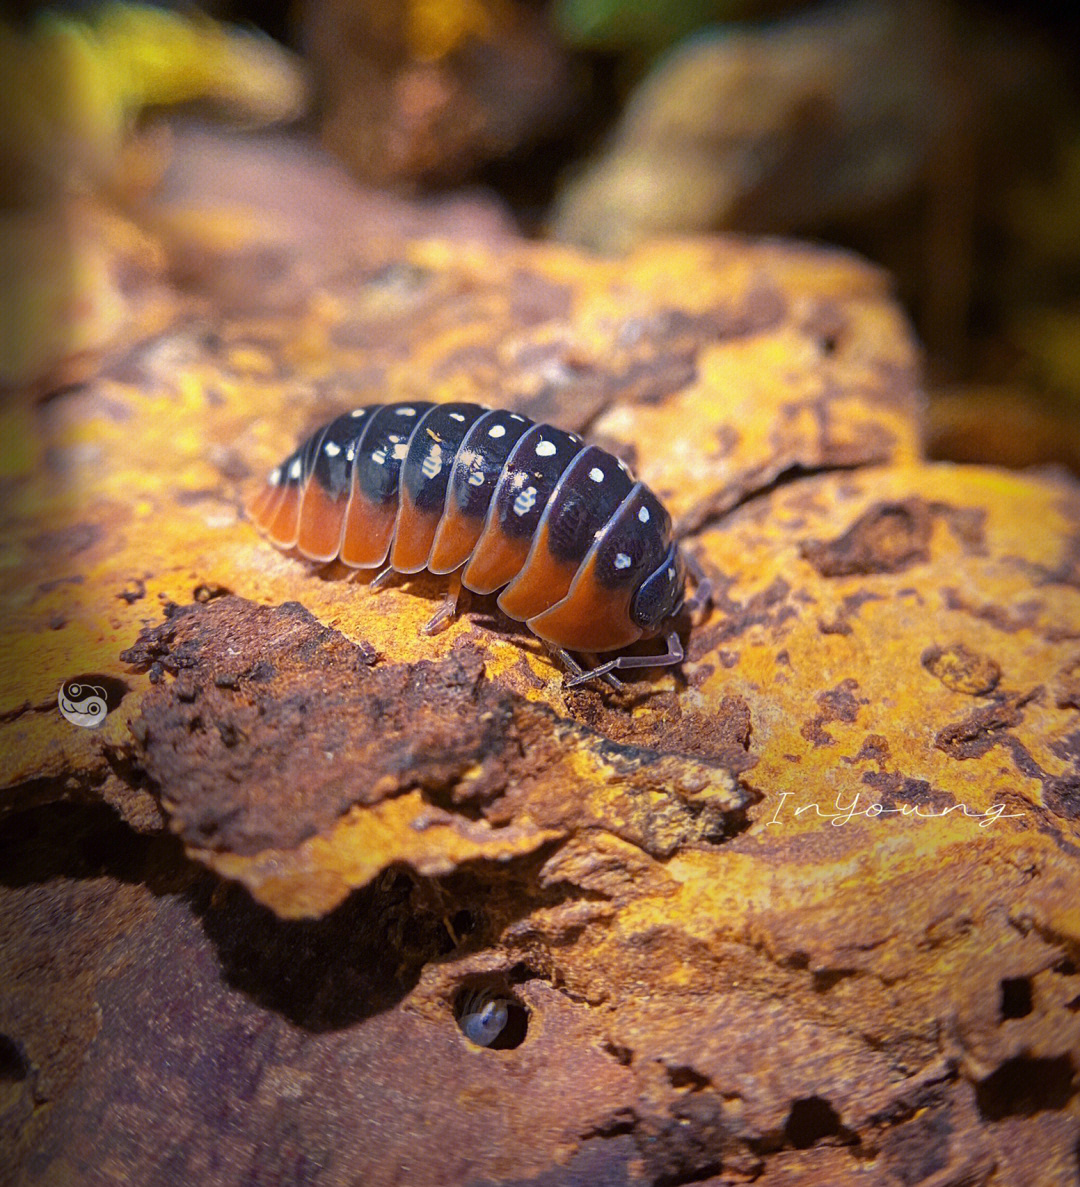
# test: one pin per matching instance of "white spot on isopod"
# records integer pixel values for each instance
(433, 462)
(275, 476)
(406, 412)
(670, 572)
(526, 501)
(596, 474)
(379, 457)
(358, 412)
(295, 469)
(350, 454)
(476, 478)
(545, 448)
(622, 561)
(401, 449)
(516, 416)
(331, 449)
(497, 431)
(643, 515)
(456, 416)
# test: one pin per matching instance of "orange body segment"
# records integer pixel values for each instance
(284, 517)
(260, 505)
(589, 618)
(414, 534)
(496, 560)
(540, 584)
(368, 529)
(455, 540)
(321, 523)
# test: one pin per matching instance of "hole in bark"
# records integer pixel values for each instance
(825, 979)
(207, 593)
(462, 923)
(1016, 997)
(1073, 1006)
(1024, 1086)
(686, 1077)
(1066, 967)
(469, 1008)
(622, 1055)
(810, 1120)
(13, 1065)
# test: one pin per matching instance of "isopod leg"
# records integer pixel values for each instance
(445, 613)
(578, 672)
(382, 578)
(673, 655)
(702, 586)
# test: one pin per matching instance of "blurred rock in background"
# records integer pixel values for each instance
(941, 140)
(938, 139)
(420, 92)
(82, 143)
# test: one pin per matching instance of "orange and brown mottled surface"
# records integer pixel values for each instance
(805, 911)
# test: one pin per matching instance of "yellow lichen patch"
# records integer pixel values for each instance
(878, 717)
(317, 876)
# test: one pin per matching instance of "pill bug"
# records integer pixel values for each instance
(582, 553)
(482, 1016)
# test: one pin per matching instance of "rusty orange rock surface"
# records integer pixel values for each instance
(803, 911)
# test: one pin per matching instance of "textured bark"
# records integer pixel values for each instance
(803, 911)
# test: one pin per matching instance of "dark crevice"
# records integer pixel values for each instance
(1016, 1001)
(21, 710)
(588, 423)
(813, 1119)
(323, 974)
(88, 840)
(825, 979)
(327, 973)
(687, 1077)
(368, 953)
(1025, 1086)
(623, 1121)
(462, 924)
(704, 516)
(14, 1066)
(622, 1055)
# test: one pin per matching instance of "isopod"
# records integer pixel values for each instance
(582, 553)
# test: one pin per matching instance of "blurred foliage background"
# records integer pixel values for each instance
(940, 139)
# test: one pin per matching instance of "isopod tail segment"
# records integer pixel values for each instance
(581, 553)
